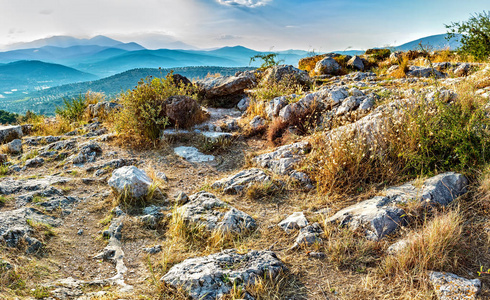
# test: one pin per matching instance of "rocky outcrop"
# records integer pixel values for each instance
(183, 111)
(289, 73)
(225, 86)
(240, 181)
(308, 236)
(15, 146)
(103, 108)
(205, 209)
(425, 72)
(132, 180)
(449, 286)
(15, 227)
(381, 215)
(281, 161)
(295, 221)
(10, 133)
(211, 277)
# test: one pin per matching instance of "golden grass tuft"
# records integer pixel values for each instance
(435, 246)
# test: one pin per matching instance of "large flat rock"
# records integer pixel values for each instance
(381, 215)
(211, 277)
(10, 133)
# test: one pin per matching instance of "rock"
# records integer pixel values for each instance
(295, 221)
(153, 250)
(80, 232)
(192, 154)
(183, 111)
(88, 153)
(381, 215)
(274, 106)
(3, 158)
(226, 85)
(152, 215)
(243, 104)
(15, 146)
(356, 63)
(34, 162)
(10, 133)
(308, 104)
(327, 66)
(204, 209)
(282, 73)
(397, 247)
(349, 104)
(337, 95)
(367, 103)
(14, 226)
(237, 183)
(211, 277)
(308, 236)
(317, 255)
(42, 185)
(282, 160)
(257, 122)
(131, 178)
(181, 198)
(462, 70)
(112, 164)
(449, 286)
(103, 108)
(356, 92)
(425, 72)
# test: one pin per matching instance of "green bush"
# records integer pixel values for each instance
(143, 115)
(8, 117)
(475, 35)
(72, 109)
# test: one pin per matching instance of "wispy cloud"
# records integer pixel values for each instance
(245, 3)
(227, 37)
(46, 11)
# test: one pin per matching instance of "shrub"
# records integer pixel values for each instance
(143, 115)
(475, 35)
(269, 60)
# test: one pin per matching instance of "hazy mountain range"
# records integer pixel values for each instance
(35, 75)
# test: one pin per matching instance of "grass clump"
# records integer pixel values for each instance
(74, 109)
(435, 246)
(143, 114)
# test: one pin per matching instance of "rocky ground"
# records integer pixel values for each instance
(218, 210)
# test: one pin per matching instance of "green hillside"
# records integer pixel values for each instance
(45, 101)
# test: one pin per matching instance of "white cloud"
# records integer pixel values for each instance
(246, 3)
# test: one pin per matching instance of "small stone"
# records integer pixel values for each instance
(131, 178)
(295, 221)
(80, 232)
(318, 255)
(181, 198)
(153, 250)
(15, 146)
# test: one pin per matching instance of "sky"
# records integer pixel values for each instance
(314, 25)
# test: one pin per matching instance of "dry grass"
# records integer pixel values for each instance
(308, 63)
(402, 70)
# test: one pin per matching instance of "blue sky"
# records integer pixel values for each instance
(321, 25)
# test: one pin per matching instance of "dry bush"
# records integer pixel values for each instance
(402, 70)
(435, 246)
(276, 129)
(308, 63)
(44, 126)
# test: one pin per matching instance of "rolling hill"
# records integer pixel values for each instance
(433, 42)
(32, 75)
(45, 101)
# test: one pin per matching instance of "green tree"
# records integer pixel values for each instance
(269, 60)
(475, 35)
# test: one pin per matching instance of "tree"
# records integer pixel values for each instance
(475, 35)
(269, 60)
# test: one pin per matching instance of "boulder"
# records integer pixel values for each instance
(34, 162)
(381, 215)
(212, 277)
(282, 160)
(15, 146)
(10, 133)
(308, 104)
(425, 72)
(183, 111)
(295, 221)
(327, 66)
(240, 181)
(257, 122)
(274, 106)
(205, 209)
(223, 86)
(449, 286)
(282, 73)
(356, 63)
(131, 178)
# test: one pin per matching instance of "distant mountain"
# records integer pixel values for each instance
(31, 75)
(45, 101)
(65, 42)
(159, 41)
(434, 42)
